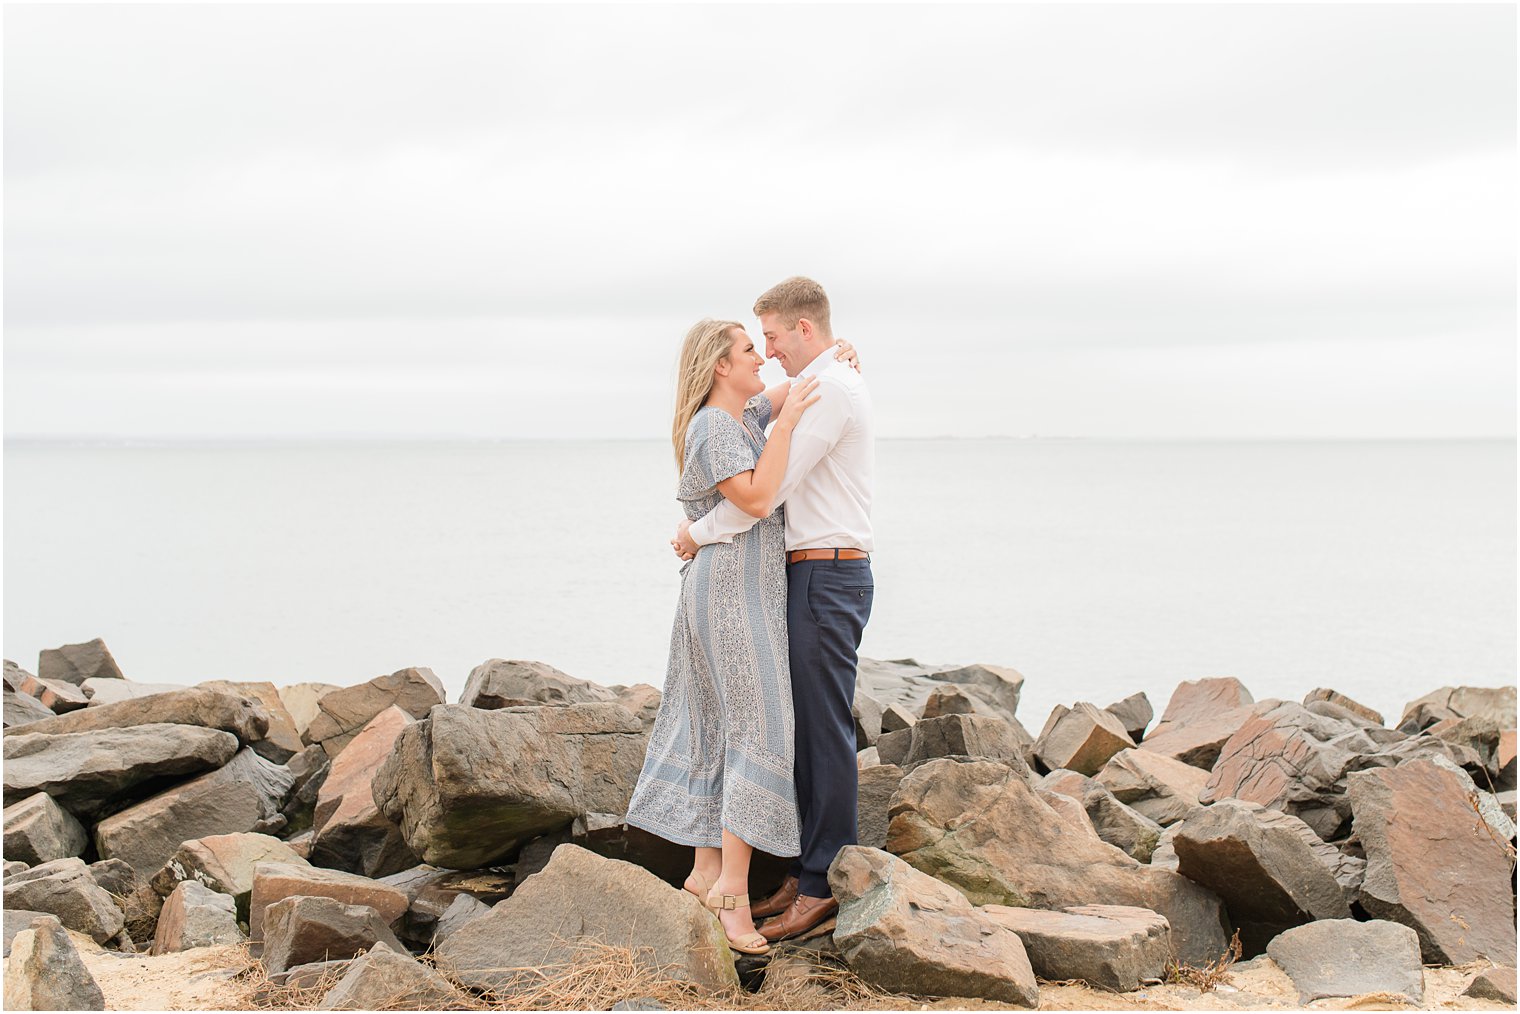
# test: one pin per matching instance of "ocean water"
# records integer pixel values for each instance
(1383, 569)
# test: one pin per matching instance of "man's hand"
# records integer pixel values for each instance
(682, 544)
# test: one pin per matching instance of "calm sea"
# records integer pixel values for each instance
(1094, 568)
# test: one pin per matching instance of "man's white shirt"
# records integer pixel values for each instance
(829, 472)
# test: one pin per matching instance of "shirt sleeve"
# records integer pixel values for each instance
(817, 432)
(759, 409)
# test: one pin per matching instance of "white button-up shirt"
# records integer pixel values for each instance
(829, 472)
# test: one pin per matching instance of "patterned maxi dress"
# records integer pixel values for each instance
(720, 754)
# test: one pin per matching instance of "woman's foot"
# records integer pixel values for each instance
(700, 882)
(731, 904)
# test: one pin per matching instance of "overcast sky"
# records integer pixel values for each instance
(1200, 221)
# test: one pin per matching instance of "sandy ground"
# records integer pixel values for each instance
(199, 980)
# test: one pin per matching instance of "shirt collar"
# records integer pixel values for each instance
(819, 364)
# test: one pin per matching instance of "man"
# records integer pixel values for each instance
(827, 492)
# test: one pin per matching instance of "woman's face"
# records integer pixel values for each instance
(744, 363)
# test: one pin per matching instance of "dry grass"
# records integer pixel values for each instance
(599, 976)
(1206, 979)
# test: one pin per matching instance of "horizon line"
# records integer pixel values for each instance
(167, 441)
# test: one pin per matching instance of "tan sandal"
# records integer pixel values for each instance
(704, 886)
(752, 944)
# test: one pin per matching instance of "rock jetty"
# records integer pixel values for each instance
(344, 831)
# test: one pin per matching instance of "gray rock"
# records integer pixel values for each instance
(1157, 787)
(305, 928)
(581, 896)
(274, 881)
(13, 867)
(55, 695)
(873, 802)
(1497, 703)
(384, 979)
(64, 888)
(1134, 713)
(1344, 703)
(1081, 738)
(970, 736)
(1432, 863)
(21, 709)
(38, 830)
(907, 684)
(86, 771)
(283, 739)
(514, 683)
(18, 919)
(641, 699)
(75, 663)
(1120, 826)
(309, 770)
(904, 931)
(981, 828)
(947, 700)
(196, 916)
(1110, 946)
(210, 709)
(223, 863)
(1343, 957)
(1267, 874)
(895, 717)
(870, 757)
(243, 795)
(44, 971)
(115, 877)
(467, 786)
(341, 714)
(866, 711)
(463, 909)
(1497, 983)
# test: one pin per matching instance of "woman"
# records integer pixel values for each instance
(718, 771)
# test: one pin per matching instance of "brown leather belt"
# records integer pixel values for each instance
(798, 555)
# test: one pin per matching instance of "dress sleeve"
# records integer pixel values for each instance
(759, 409)
(715, 450)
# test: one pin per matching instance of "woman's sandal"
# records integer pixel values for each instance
(704, 886)
(752, 944)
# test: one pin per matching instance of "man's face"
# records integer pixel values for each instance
(783, 344)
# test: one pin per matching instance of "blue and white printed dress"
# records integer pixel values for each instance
(720, 754)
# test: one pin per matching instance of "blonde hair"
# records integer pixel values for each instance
(795, 298)
(707, 344)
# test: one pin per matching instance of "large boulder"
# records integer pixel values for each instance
(283, 740)
(514, 683)
(65, 888)
(1290, 759)
(1265, 871)
(306, 928)
(981, 828)
(86, 771)
(341, 714)
(44, 971)
(210, 709)
(1109, 819)
(75, 663)
(1080, 738)
(1158, 787)
(1497, 703)
(865, 711)
(904, 931)
(1343, 957)
(1113, 947)
(1432, 863)
(958, 735)
(1198, 700)
(1199, 741)
(1343, 703)
(195, 916)
(22, 709)
(873, 803)
(383, 979)
(245, 794)
(583, 897)
(224, 863)
(350, 832)
(907, 684)
(38, 830)
(274, 882)
(469, 786)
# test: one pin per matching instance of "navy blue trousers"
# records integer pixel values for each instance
(828, 604)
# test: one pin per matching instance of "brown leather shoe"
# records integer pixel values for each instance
(803, 915)
(777, 903)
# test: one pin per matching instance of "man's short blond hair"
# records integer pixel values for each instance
(795, 298)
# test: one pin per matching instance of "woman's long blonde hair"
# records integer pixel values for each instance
(707, 344)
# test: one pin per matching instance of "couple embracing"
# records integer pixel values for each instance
(754, 743)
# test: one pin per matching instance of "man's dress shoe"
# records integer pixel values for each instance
(803, 915)
(776, 903)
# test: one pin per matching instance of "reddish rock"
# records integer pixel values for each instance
(1081, 738)
(342, 713)
(349, 831)
(54, 694)
(1432, 863)
(301, 702)
(1497, 703)
(275, 881)
(75, 663)
(1135, 713)
(1198, 743)
(283, 740)
(225, 863)
(1343, 702)
(947, 700)
(1161, 788)
(1196, 700)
